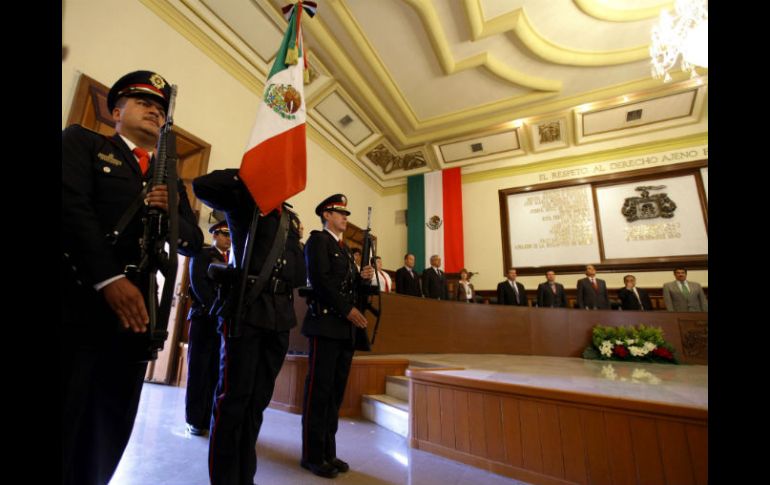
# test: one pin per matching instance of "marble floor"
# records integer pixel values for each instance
(682, 385)
(161, 453)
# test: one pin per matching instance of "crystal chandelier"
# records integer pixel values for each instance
(684, 33)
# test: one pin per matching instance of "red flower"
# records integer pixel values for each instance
(620, 351)
(663, 353)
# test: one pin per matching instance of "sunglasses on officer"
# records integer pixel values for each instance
(224, 233)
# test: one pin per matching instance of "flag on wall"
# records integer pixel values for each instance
(435, 219)
(274, 166)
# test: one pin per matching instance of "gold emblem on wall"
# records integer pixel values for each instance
(648, 206)
(383, 158)
(549, 132)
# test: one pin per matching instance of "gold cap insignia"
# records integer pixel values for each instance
(157, 81)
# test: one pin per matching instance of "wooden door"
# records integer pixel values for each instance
(89, 109)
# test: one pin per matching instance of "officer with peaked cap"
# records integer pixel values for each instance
(329, 325)
(104, 314)
(203, 344)
(253, 356)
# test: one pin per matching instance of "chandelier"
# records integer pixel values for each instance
(683, 34)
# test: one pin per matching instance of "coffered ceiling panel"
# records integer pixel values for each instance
(421, 81)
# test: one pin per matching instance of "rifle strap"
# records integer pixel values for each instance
(127, 216)
(272, 257)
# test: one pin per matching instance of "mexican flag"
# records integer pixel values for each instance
(274, 166)
(435, 219)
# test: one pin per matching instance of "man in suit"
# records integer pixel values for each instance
(551, 294)
(592, 292)
(684, 296)
(511, 292)
(252, 356)
(203, 344)
(329, 325)
(407, 281)
(434, 284)
(105, 344)
(633, 298)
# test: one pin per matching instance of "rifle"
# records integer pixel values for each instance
(160, 227)
(362, 296)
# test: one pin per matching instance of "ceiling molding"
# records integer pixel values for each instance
(189, 23)
(599, 156)
(519, 25)
(603, 10)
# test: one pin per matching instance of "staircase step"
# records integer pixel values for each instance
(387, 411)
(398, 387)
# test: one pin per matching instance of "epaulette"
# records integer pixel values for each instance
(100, 135)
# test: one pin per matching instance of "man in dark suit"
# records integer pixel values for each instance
(203, 343)
(633, 298)
(592, 292)
(551, 294)
(407, 281)
(434, 284)
(104, 338)
(510, 291)
(252, 357)
(329, 325)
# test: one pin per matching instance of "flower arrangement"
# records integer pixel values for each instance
(632, 344)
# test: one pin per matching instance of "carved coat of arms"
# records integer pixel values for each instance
(648, 206)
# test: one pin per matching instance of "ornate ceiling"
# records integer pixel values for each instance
(401, 87)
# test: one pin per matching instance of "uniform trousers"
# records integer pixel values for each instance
(248, 367)
(328, 369)
(100, 396)
(202, 370)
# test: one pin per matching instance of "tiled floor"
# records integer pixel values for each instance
(160, 453)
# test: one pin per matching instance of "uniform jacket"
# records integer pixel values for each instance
(506, 296)
(407, 284)
(588, 297)
(628, 300)
(547, 299)
(676, 301)
(333, 276)
(434, 284)
(100, 180)
(274, 309)
(202, 291)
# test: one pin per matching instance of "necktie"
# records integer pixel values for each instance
(685, 290)
(641, 307)
(227, 256)
(553, 288)
(144, 159)
(595, 285)
(341, 244)
(387, 286)
(515, 290)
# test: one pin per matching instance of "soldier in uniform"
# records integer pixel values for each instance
(203, 344)
(104, 343)
(329, 326)
(250, 361)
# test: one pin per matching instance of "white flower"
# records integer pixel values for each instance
(630, 341)
(618, 342)
(649, 346)
(638, 351)
(606, 348)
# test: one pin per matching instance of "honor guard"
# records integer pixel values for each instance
(203, 342)
(329, 325)
(104, 314)
(251, 357)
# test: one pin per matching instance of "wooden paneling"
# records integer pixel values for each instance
(557, 439)
(367, 376)
(420, 325)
